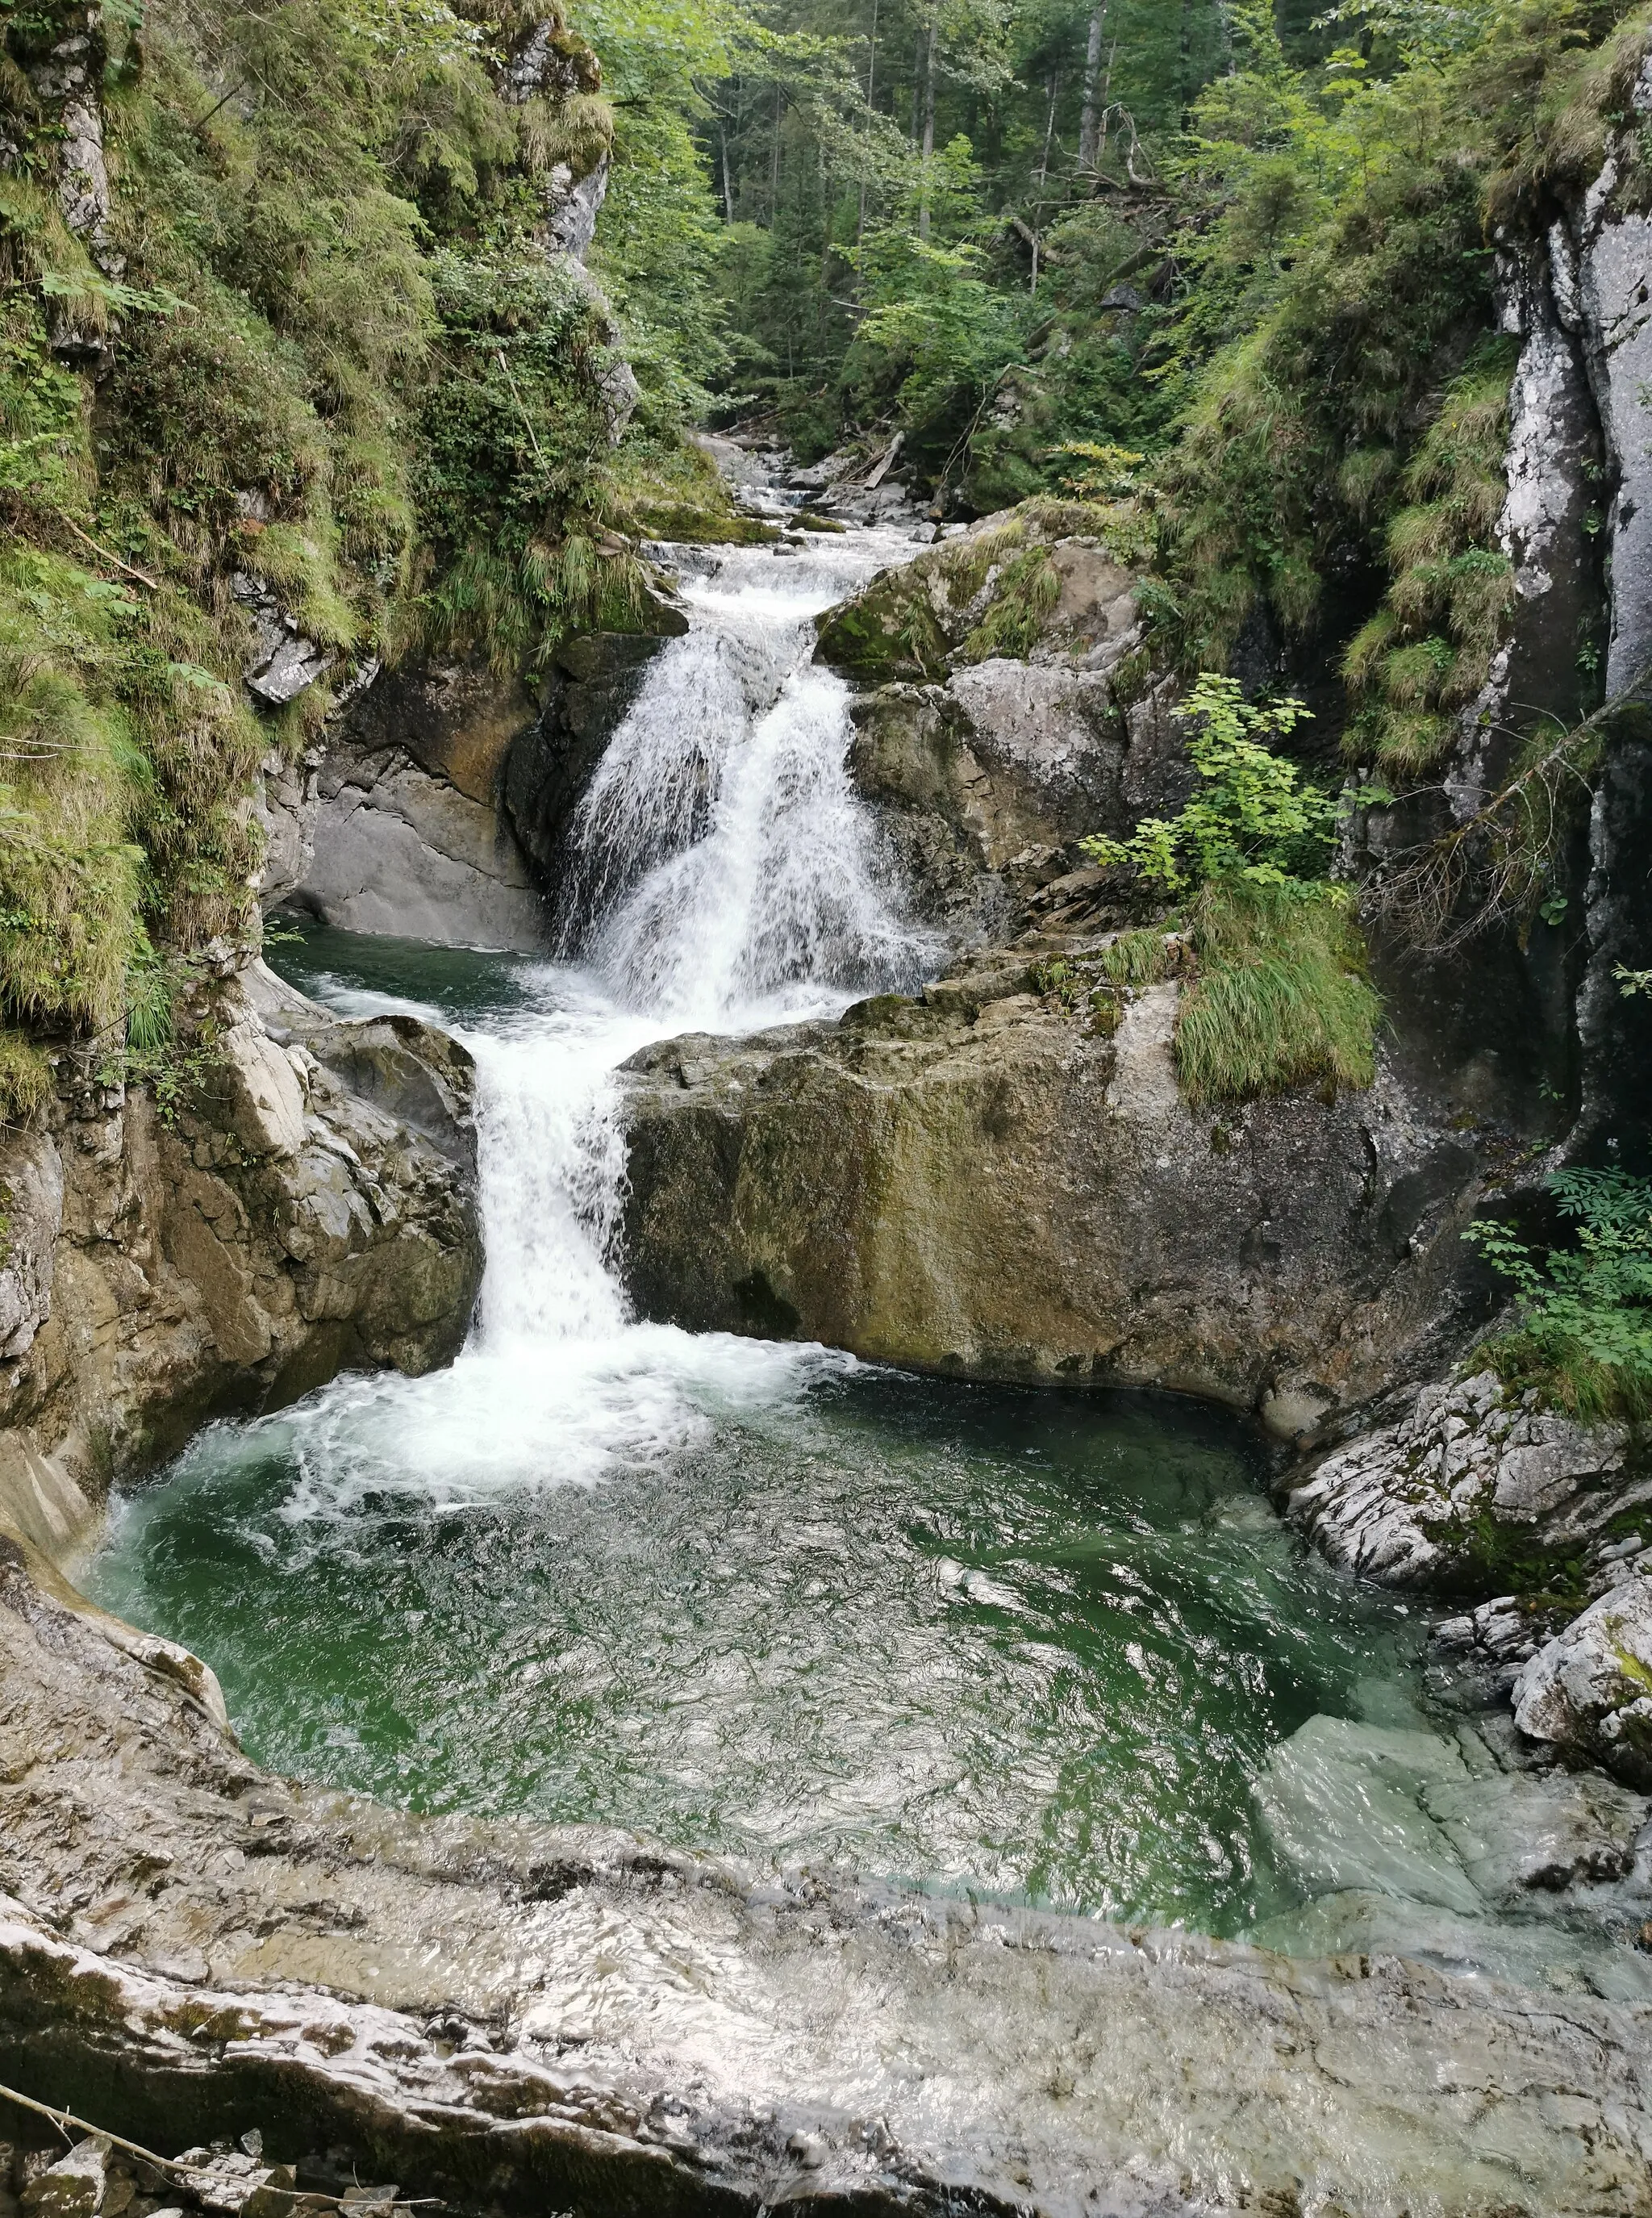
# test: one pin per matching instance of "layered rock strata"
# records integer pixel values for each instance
(528, 2019)
(1472, 1476)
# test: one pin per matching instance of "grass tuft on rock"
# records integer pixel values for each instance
(1280, 997)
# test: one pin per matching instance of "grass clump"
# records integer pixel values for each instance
(1427, 650)
(1025, 594)
(25, 1078)
(1278, 995)
(1584, 1336)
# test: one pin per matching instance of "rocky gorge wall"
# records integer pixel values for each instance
(309, 1206)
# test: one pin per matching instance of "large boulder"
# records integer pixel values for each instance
(987, 1181)
(1589, 1689)
(919, 620)
(984, 767)
(232, 1245)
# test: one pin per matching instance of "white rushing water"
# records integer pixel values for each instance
(725, 877)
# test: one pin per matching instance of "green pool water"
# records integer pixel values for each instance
(1039, 1644)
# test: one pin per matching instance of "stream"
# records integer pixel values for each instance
(760, 1598)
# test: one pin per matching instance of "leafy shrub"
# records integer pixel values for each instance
(1251, 817)
(1585, 1333)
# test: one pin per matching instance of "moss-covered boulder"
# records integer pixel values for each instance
(1042, 579)
(997, 1180)
(886, 632)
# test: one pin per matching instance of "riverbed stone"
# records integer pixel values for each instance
(74, 2186)
(548, 2018)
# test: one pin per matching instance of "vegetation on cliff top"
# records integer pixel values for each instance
(314, 352)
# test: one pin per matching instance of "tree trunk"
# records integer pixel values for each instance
(1089, 117)
(1051, 88)
(929, 128)
(774, 173)
(871, 88)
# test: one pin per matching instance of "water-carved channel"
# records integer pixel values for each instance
(754, 1596)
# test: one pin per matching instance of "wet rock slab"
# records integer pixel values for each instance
(533, 2019)
(1472, 1466)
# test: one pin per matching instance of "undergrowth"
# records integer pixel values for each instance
(1584, 1335)
(318, 351)
(1276, 992)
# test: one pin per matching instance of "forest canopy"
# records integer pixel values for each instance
(1026, 232)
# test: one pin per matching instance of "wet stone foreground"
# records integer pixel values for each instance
(545, 2016)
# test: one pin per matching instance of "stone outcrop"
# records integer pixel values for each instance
(988, 1179)
(1589, 1689)
(394, 824)
(230, 1248)
(281, 661)
(529, 2018)
(984, 774)
(983, 787)
(1473, 1481)
(395, 849)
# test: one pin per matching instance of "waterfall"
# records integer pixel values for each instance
(725, 875)
(724, 868)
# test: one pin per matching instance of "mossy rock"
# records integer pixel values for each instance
(887, 633)
(684, 525)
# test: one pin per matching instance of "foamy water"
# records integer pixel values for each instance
(727, 877)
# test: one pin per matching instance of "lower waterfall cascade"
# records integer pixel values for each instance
(758, 1597)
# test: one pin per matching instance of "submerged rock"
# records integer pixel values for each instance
(531, 2018)
(1448, 1847)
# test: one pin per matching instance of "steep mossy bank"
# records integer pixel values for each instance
(301, 374)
